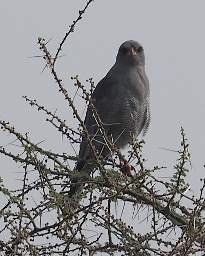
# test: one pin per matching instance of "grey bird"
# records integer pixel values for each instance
(121, 100)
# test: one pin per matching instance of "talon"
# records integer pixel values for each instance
(126, 168)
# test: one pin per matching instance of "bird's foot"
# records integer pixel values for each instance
(126, 168)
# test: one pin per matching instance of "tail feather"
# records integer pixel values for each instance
(83, 171)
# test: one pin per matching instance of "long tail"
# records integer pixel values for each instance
(76, 186)
(79, 180)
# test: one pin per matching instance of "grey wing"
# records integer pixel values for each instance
(102, 99)
(147, 117)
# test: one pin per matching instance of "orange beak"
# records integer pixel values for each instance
(132, 51)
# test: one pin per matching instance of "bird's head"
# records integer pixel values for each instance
(131, 53)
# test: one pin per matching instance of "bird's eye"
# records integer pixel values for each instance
(140, 49)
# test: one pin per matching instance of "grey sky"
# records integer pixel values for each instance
(172, 33)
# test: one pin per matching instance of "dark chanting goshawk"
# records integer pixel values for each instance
(121, 100)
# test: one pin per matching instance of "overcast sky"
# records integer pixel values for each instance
(172, 33)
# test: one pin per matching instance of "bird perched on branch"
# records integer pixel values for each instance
(118, 110)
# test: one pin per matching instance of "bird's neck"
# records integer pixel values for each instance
(133, 78)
